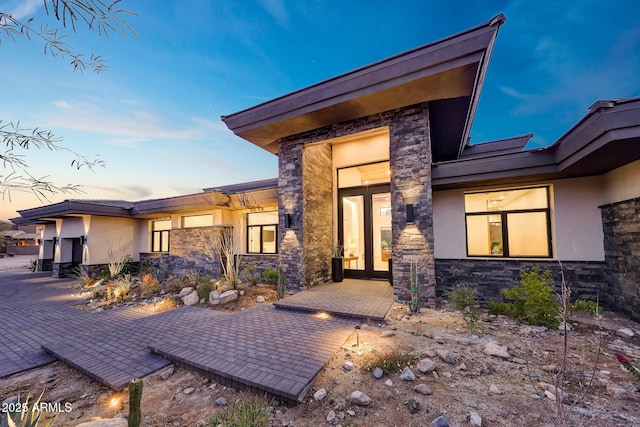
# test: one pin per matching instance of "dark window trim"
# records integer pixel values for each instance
(503, 218)
(155, 234)
(261, 226)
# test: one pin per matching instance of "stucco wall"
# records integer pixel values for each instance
(115, 234)
(622, 184)
(576, 225)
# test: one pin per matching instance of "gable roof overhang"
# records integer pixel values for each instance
(451, 68)
(607, 138)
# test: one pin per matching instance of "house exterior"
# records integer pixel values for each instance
(20, 240)
(378, 161)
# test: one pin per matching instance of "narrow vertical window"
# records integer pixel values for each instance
(160, 236)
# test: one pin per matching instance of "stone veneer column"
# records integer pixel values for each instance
(410, 158)
(621, 226)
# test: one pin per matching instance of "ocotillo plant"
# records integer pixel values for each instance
(414, 288)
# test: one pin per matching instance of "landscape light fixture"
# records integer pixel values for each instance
(83, 240)
(288, 220)
(357, 335)
(410, 213)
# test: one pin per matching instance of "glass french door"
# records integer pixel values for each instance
(364, 229)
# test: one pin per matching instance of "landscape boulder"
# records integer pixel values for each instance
(191, 299)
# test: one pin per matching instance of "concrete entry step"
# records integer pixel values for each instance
(354, 298)
(262, 349)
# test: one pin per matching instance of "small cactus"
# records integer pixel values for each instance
(135, 396)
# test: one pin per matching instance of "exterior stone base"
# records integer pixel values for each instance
(63, 269)
(586, 279)
(44, 265)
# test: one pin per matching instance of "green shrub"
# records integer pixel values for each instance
(250, 276)
(270, 276)
(534, 300)
(390, 360)
(498, 308)
(245, 412)
(586, 306)
(464, 299)
(204, 288)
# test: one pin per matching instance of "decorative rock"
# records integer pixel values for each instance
(414, 406)
(582, 412)
(493, 389)
(107, 422)
(492, 348)
(241, 292)
(423, 389)
(191, 299)
(625, 333)
(320, 394)
(189, 390)
(378, 373)
(446, 356)
(519, 361)
(387, 334)
(351, 413)
(475, 419)
(359, 398)
(388, 383)
(229, 295)
(407, 375)
(260, 299)
(616, 391)
(331, 416)
(221, 401)
(426, 366)
(185, 291)
(214, 297)
(441, 421)
(167, 373)
(348, 366)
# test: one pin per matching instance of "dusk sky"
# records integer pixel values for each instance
(154, 116)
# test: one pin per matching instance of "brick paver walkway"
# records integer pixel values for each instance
(363, 299)
(263, 349)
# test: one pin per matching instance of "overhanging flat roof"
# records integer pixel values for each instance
(114, 208)
(450, 68)
(606, 138)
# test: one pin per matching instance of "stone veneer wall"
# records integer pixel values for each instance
(44, 264)
(305, 177)
(62, 269)
(190, 249)
(621, 226)
(488, 276)
(260, 261)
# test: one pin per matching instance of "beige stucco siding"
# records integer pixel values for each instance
(117, 234)
(622, 184)
(576, 225)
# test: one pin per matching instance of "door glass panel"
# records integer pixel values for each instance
(353, 232)
(381, 224)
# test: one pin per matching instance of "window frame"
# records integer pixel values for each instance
(261, 228)
(155, 234)
(504, 214)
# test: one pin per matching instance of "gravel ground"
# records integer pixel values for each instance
(16, 263)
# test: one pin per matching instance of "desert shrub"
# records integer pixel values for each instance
(498, 308)
(250, 276)
(270, 275)
(85, 281)
(586, 306)
(205, 287)
(29, 416)
(128, 266)
(534, 300)
(464, 299)
(249, 411)
(390, 360)
(120, 287)
(149, 285)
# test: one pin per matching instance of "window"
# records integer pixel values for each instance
(160, 236)
(509, 223)
(197, 221)
(262, 232)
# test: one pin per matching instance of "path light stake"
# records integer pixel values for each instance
(358, 336)
(135, 396)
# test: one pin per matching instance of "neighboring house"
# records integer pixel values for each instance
(378, 160)
(20, 240)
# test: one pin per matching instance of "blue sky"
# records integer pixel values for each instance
(154, 116)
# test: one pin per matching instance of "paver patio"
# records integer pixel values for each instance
(262, 349)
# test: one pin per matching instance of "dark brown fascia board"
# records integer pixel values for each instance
(244, 187)
(419, 62)
(73, 207)
(515, 144)
(190, 202)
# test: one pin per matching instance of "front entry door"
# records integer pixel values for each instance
(364, 227)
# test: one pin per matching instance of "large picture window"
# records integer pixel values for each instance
(509, 223)
(262, 232)
(160, 236)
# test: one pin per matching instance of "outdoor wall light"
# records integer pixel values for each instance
(55, 240)
(410, 213)
(83, 240)
(288, 220)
